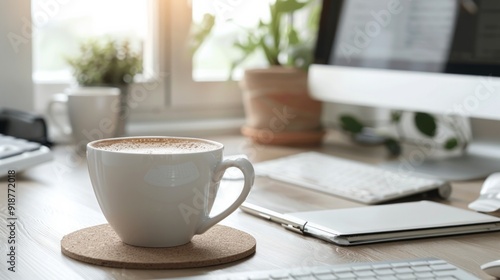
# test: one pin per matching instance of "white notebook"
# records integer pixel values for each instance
(370, 224)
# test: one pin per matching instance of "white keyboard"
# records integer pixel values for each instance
(425, 268)
(348, 179)
(19, 154)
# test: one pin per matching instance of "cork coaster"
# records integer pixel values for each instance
(100, 245)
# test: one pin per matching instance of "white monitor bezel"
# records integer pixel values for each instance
(439, 93)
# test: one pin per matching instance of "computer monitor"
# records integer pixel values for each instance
(439, 57)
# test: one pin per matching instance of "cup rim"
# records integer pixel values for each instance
(91, 145)
(92, 91)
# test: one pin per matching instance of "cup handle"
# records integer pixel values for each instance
(58, 98)
(248, 172)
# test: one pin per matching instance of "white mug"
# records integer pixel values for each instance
(93, 113)
(159, 191)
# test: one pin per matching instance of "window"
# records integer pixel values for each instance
(179, 84)
(60, 26)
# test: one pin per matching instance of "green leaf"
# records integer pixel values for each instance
(247, 47)
(199, 32)
(300, 56)
(271, 56)
(425, 123)
(313, 21)
(350, 124)
(288, 6)
(293, 37)
(276, 37)
(451, 143)
(396, 116)
(275, 26)
(393, 146)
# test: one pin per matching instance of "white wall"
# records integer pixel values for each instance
(16, 86)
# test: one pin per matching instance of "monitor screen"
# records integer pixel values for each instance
(444, 36)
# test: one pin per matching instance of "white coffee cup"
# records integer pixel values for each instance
(159, 191)
(93, 113)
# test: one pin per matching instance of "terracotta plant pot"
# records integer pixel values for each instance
(279, 109)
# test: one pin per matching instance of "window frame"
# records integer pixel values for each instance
(186, 91)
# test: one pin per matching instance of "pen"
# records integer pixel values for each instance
(290, 223)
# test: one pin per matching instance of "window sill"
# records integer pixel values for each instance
(191, 128)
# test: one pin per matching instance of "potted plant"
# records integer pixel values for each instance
(277, 104)
(445, 133)
(107, 62)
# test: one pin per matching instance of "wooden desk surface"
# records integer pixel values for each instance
(56, 198)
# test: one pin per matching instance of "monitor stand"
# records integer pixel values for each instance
(481, 158)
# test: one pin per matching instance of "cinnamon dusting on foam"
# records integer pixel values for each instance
(156, 146)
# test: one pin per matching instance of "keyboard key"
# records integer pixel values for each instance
(328, 276)
(415, 264)
(421, 268)
(424, 274)
(8, 150)
(381, 266)
(364, 273)
(402, 270)
(321, 270)
(387, 277)
(406, 276)
(341, 269)
(344, 275)
(303, 277)
(401, 264)
(384, 271)
(442, 267)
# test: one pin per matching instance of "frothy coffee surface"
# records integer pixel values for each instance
(156, 146)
